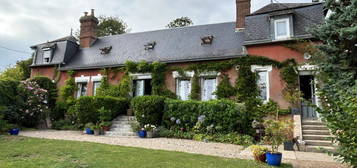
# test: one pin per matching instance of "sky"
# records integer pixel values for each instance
(24, 23)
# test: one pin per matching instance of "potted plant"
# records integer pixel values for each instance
(275, 135)
(105, 125)
(96, 129)
(259, 152)
(149, 130)
(13, 129)
(88, 128)
(142, 133)
(290, 140)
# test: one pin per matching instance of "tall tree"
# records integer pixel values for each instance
(20, 71)
(109, 25)
(180, 22)
(337, 75)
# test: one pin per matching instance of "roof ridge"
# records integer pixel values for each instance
(167, 29)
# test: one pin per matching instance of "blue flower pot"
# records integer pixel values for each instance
(142, 133)
(14, 131)
(274, 159)
(89, 131)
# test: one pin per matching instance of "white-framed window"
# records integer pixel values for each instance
(183, 88)
(81, 83)
(141, 84)
(47, 55)
(96, 85)
(183, 84)
(208, 87)
(282, 28)
(263, 81)
(82, 89)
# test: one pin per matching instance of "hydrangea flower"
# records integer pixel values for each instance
(172, 118)
(178, 121)
(201, 118)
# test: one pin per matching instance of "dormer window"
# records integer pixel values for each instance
(47, 55)
(282, 29)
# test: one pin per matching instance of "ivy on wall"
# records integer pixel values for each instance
(225, 89)
(68, 90)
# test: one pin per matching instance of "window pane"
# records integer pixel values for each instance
(281, 29)
(96, 85)
(82, 89)
(47, 56)
(184, 89)
(139, 88)
(209, 87)
(262, 84)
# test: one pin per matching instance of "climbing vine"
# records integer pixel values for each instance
(67, 92)
(225, 89)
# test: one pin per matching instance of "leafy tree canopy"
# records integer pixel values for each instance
(109, 25)
(180, 22)
(20, 71)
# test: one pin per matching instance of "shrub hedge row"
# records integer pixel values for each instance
(148, 109)
(85, 109)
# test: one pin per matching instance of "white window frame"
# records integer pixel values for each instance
(209, 75)
(188, 76)
(96, 79)
(139, 76)
(178, 87)
(287, 36)
(268, 69)
(79, 80)
(49, 56)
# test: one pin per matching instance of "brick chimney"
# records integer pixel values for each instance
(88, 30)
(243, 9)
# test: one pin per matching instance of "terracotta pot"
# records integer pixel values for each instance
(261, 158)
(105, 128)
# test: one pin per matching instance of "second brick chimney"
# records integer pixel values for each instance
(243, 9)
(88, 29)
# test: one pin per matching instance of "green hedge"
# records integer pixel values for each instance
(148, 109)
(86, 108)
(215, 116)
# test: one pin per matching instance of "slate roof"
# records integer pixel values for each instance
(172, 45)
(259, 28)
(281, 6)
(64, 49)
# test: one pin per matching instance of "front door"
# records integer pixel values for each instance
(307, 88)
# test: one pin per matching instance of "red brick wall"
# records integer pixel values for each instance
(48, 71)
(279, 53)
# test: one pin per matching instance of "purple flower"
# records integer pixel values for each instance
(201, 118)
(178, 121)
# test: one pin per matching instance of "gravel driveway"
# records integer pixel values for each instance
(313, 160)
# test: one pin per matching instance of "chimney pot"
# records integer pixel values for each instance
(85, 13)
(92, 12)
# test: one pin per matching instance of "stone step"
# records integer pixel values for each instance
(122, 122)
(320, 149)
(122, 134)
(318, 142)
(314, 127)
(312, 122)
(316, 137)
(316, 132)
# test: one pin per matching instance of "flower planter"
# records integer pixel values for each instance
(96, 132)
(289, 146)
(142, 133)
(274, 159)
(89, 131)
(105, 128)
(14, 131)
(149, 134)
(261, 158)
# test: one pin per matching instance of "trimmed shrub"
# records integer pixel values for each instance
(181, 114)
(59, 111)
(148, 109)
(215, 116)
(86, 108)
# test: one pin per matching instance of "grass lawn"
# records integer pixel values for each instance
(23, 152)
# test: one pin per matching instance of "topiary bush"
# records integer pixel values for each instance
(148, 109)
(117, 105)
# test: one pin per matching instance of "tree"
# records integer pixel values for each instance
(337, 75)
(20, 71)
(180, 22)
(107, 26)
